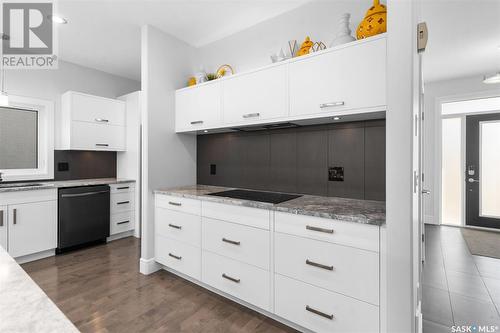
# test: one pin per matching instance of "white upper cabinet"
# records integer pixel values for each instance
(347, 79)
(96, 109)
(198, 107)
(256, 96)
(352, 77)
(92, 122)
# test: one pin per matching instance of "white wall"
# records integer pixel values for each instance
(252, 47)
(169, 159)
(402, 208)
(50, 84)
(433, 92)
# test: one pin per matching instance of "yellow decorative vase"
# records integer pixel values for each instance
(375, 21)
(305, 47)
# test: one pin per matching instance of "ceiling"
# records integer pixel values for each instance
(464, 38)
(464, 35)
(105, 35)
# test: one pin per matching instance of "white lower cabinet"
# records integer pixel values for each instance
(317, 273)
(178, 226)
(323, 311)
(246, 244)
(122, 208)
(3, 227)
(28, 223)
(338, 268)
(246, 282)
(31, 227)
(179, 256)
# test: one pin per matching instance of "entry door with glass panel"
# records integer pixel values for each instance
(482, 170)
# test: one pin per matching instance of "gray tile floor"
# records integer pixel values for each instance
(458, 288)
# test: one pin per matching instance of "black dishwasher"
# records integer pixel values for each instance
(83, 216)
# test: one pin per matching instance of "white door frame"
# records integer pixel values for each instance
(439, 147)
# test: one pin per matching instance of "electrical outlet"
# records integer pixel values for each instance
(336, 174)
(62, 166)
(213, 169)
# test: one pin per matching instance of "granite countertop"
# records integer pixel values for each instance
(24, 307)
(343, 209)
(61, 184)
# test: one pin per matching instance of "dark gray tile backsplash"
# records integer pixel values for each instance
(297, 160)
(84, 164)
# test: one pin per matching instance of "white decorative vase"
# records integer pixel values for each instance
(343, 33)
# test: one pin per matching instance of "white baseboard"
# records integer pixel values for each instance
(35, 256)
(120, 235)
(148, 266)
(429, 219)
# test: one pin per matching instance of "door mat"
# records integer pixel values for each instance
(482, 243)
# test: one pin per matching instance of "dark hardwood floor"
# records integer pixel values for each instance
(100, 289)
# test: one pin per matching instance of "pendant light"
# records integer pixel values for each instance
(492, 79)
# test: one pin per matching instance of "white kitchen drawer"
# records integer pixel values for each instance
(95, 109)
(363, 236)
(90, 136)
(17, 197)
(346, 270)
(191, 206)
(122, 202)
(253, 217)
(179, 256)
(247, 244)
(180, 226)
(246, 282)
(122, 188)
(299, 302)
(122, 222)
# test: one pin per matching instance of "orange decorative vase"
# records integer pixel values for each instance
(375, 21)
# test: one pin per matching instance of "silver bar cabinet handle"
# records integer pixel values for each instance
(101, 120)
(174, 203)
(251, 115)
(123, 188)
(102, 145)
(328, 231)
(231, 241)
(225, 276)
(174, 256)
(197, 122)
(1, 218)
(123, 222)
(14, 216)
(315, 264)
(122, 202)
(175, 226)
(319, 313)
(328, 105)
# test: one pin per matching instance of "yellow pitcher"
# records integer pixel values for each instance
(375, 21)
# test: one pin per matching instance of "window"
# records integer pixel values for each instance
(19, 138)
(479, 105)
(451, 171)
(26, 139)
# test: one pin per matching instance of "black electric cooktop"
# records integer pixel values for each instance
(269, 197)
